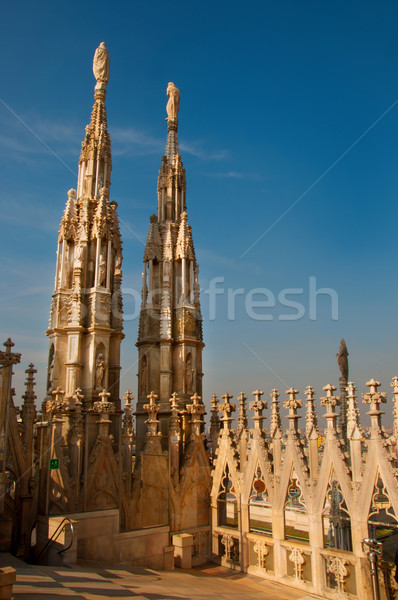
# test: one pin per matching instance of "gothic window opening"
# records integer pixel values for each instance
(260, 510)
(296, 515)
(227, 503)
(382, 522)
(336, 518)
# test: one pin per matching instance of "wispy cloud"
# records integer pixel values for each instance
(196, 149)
(236, 175)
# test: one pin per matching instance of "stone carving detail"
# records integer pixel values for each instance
(297, 557)
(342, 360)
(262, 551)
(174, 102)
(101, 64)
(99, 370)
(336, 566)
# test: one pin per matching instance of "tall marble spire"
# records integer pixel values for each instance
(85, 328)
(170, 333)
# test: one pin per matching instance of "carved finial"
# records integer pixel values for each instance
(242, 417)
(197, 410)
(292, 404)
(394, 385)
(374, 398)
(8, 345)
(152, 408)
(226, 408)
(78, 397)
(311, 427)
(342, 360)
(353, 423)
(101, 64)
(258, 406)
(128, 397)
(330, 401)
(214, 402)
(214, 424)
(276, 421)
(57, 404)
(28, 410)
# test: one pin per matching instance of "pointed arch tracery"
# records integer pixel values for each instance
(382, 521)
(260, 509)
(227, 502)
(336, 518)
(295, 513)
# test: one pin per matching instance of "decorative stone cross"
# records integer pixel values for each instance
(58, 404)
(214, 402)
(102, 406)
(196, 409)
(152, 409)
(8, 345)
(226, 408)
(128, 397)
(330, 401)
(374, 398)
(292, 404)
(258, 406)
(78, 397)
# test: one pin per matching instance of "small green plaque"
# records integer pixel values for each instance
(54, 463)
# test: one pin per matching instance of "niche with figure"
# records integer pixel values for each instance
(100, 367)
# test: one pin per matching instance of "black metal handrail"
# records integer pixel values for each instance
(55, 535)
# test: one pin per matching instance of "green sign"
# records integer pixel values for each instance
(54, 463)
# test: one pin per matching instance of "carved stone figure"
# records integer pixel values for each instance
(101, 270)
(101, 64)
(118, 267)
(144, 376)
(50, 374)
(99, 370)
(173, 103)
(342, 360)
(188, 375)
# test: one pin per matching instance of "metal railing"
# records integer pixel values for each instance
(55, 535)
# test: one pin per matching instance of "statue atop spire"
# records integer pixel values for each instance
(101, 64)
(342, 360)
(173, 104)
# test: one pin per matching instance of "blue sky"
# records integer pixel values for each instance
(285, 107)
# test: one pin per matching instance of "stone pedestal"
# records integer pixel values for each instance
(183, 546)
(7, 580)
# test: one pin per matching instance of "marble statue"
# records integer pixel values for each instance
(99, 370)
(188, 375)
(174, 102)
(101, 270)
(101, 64)
(342, 360)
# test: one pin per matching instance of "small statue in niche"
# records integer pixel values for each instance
(144, 376)
(50, 374)
(99, 370)
(101, 270)
(188, 375)
(118, 267)
(78, 255)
